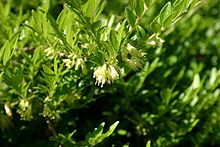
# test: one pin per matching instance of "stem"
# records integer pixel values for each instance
(50, 126)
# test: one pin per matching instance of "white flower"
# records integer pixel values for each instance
(105, 73)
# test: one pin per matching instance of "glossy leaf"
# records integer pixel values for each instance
(113, 40)
(8, 49)
(47, 70)
(165, 12)
(90, 7)
(131, 18)
(97, 136)
(139, 7)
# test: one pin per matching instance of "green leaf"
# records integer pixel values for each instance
(214, 78)
(14, 80)
(71, 134)
(92, 138)
(168, 21)
(144, 73)
(2, 51)
(96, 136)
(148, 144)
(8, 49)
(196, 82)
(37, 21)
(55, 66)
(120, 33)
(178, 7)
(131, 18)
(188, 3)
(193, 90)
(99, 11)
(47, 70)
(96, 26)
(24, 88)
(45, 24)
(185, 128)
(149, 2)
(180, 74)
(155, 25)
(166, 95)
(62, 18)
(113, 39)
(45, 5)
(90, 7)
(111, 129)
(37, 57)
(69, 29)
(75, 7)
(7, 9)
(32, 28)
(139, 7)
(59, 33)
(153, 65)
(25, 55)
(111, 21)
(165, 12)
(75, 4)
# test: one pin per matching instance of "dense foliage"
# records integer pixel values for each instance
(141, 72)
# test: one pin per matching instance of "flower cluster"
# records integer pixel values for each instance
(132, 56)
(50, 53)
(25, 110)
(74, 60)
(105, 73)
(70, 61)
(154, 40)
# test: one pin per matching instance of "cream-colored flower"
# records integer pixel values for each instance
(113, 74)
(25, 110)
(105, 73)
(100, 75)
(133, 57)
(23, 104)
(50, 53)
(69, 63)
(72, 56)
(8, 109)
(78, 62)
(154, 40)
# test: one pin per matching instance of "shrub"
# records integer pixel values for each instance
(148, 69)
